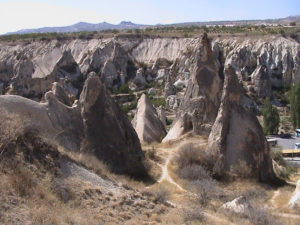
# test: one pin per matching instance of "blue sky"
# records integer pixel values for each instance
(21, 14)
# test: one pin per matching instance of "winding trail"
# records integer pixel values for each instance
(165, 176)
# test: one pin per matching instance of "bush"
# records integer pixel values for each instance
(169, 121)
(193, 172)
(188, 155)
(261, 217)
(295, 105)
(271, 118)
(160, 194)
(22, 181)
(158, 102)
(206, 189)
(193, 214)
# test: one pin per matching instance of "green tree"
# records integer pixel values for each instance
(295, 105)
(292, 23)
(271, 118)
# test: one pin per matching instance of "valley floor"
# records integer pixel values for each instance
(76, 189)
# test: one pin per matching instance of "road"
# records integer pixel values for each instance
(286, 143)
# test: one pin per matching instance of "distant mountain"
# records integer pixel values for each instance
(82, 26)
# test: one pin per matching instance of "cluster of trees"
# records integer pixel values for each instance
(271, 115)
(295, 105)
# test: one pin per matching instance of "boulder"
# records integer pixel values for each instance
(237, 136)
(202, 97)
(295, 200)
(239, 206)
(147, 123)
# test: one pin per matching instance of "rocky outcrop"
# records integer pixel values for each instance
(278, 56)
(237, 136)
(262, 82)
(200, 104)
(95, 125)
(147, 123)
(239, 206)
(170, 89)
(60, 94)
(161, 112)
(108, 133)
(109, 74)
(28, 69)
(295, 200)
(173, 102)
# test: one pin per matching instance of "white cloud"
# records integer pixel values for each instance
(17, 14)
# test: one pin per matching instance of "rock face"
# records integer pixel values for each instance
(30, 69)
(277, 56)
(237, 136)
(199, 106)
(295, 200)
(239, 205)
(108, 133)
(60, 94)
(170, 89)
(95, 124)
(161, 112)
(147, 123)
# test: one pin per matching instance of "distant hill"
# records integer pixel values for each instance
(82, 26)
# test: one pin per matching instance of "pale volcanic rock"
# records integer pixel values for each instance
(147, 123)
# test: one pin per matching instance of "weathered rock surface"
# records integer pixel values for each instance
(239, 205)
(280, 57)
(108, 133)
(60, 94)
(29, 69)
(173, 102)
(200, 104)
(295, 200)
(170, 89)
(161, 112)
(237, 136)
(94, 125)
(147, 123)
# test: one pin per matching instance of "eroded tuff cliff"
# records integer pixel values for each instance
(237, 137)
(94, 125)
(30, 69)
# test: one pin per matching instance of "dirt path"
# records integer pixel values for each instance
(165, 173)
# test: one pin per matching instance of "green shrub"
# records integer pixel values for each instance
(271, 118)
(158, 102)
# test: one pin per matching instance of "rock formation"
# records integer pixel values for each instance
(147, 123)
(295, 200)
(237, 136)
(28, 69)
(239, 205)
(161, 112)
(200, 104)
(108, 133)
(60, 94)
(95, 124)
